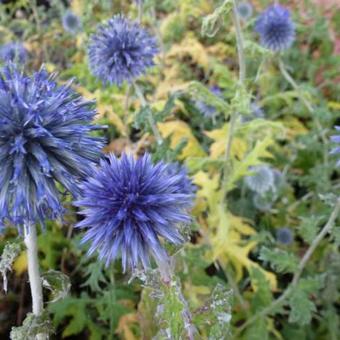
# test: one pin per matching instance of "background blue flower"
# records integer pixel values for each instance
(128, 204)
(276, 28)
(245, 10)
(336, 139)
(284, 236)
(44, 140)
(13, 51)
(71, 22)
(121, 50)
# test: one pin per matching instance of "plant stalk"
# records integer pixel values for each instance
(234, 115)
(151, 120)
(308, 105)
(34, 273)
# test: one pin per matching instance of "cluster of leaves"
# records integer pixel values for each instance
(233, 250)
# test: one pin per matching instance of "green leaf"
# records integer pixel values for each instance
(280, 260)
(10, 252)
(95, 274)
(258, 330)
(301, 307)
(308, 229)
(262, 296)
(76, 310)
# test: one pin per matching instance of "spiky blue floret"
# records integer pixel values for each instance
(284, 236)
(276, 28)
(13, 51)
(121, 50)
(71, 22)
(209, 111)
(44, 140)
(336, 139)
(129, 204)
(245, 10)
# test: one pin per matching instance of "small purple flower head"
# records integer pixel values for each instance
(284, 236)
(276, 28)
(129, 204)
(45, 145)
(209, 111)
(14, 52)
(245, 10)
(336, 139)
(71, 22)
(121, 50)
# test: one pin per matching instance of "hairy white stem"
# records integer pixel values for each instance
(34, 273)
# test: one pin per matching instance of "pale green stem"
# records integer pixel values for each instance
(170, 281)
(306, 257)
(35, 11)
(308, 105)
(151, 120)
(34, 273)
(234, 115)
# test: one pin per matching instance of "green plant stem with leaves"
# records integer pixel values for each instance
(309, 107)
(150, 117)
(231, 131)
(234, 115)
(308, 254)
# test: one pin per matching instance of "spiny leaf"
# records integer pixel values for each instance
(280, 260)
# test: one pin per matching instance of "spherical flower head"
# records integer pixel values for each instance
(121, 50)
(245, 10)
(209, 111)
(276, 28)
(71, 22)
(14, 52)
(129, 204)
(262, 179)
(336, 139)
(284, 236)
(44, 142)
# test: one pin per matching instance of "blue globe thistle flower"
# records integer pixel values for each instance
(71, 22)
(336, 139)
(14, 52)
(121, 50)
(44, 145)
(276, 28)
(128, 204)
(245, 10)
(284, 236)
(262, 179)
(209, 111)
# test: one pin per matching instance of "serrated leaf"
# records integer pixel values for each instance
(280, 260)
(301, 308)
(178, 131)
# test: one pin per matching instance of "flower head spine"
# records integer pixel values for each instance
(128, 204)
(121, 50)
(276, 28)
(44, 140)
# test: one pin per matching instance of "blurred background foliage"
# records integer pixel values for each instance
(237, 260)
